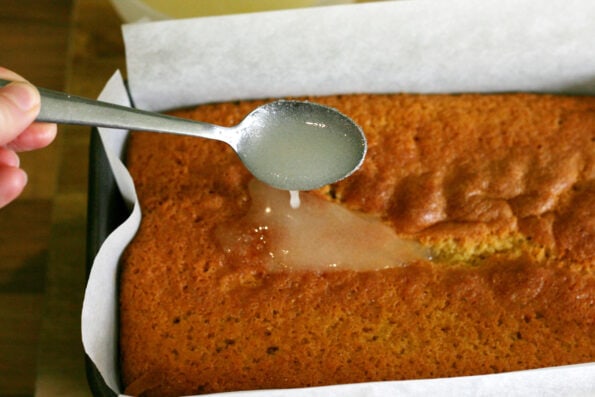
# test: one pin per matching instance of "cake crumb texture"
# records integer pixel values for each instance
(500, 187)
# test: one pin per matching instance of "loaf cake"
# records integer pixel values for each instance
(500, 189)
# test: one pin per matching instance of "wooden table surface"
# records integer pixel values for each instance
(75, 46)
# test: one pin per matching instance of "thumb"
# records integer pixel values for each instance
(19, 105)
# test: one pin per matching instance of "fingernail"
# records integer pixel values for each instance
(25, 177)
(9, 157)
(23, 95)
(22, 175)
(13, 181)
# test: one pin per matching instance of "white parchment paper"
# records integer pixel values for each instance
(402, 46)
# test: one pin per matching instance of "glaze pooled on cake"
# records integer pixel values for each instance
(317, 236)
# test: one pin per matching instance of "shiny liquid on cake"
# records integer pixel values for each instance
(319, 235)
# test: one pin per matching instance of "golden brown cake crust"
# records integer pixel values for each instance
(501, 187)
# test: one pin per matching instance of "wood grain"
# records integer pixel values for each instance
(73, 46)
(95, 52)
(34, 43)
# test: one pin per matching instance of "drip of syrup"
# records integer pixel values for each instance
(319, 235)
(294, 199)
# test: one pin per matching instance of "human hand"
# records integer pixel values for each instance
(19, 106)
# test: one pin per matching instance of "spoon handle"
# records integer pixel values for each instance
(62, 108)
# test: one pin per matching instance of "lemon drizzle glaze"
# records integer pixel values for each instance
(319, 235)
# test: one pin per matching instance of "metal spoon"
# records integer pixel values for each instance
(289, 145)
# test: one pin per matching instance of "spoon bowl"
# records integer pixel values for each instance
(295, 145)
(289, 145)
